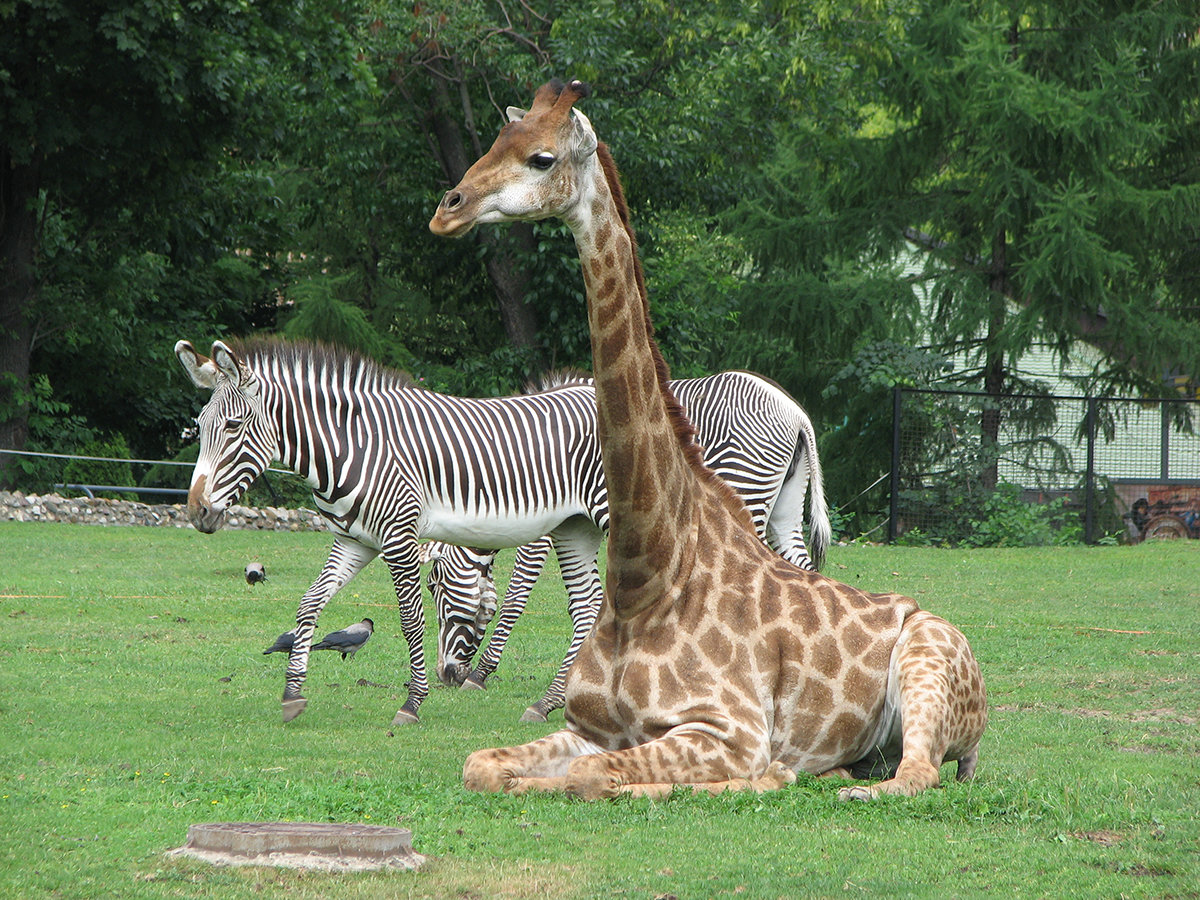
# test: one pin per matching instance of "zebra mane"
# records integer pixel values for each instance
(556, 379)
(304, 354)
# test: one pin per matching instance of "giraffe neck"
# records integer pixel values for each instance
(643, 437)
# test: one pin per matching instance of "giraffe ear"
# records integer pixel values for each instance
(234, 369)
(201, 369)
(515, 113)
(583, 136)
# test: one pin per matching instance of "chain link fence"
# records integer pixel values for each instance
(973, 469)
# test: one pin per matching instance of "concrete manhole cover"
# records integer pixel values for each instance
(301, 845)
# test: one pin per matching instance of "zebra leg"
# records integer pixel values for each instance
(785, 527)
(577, 549)
(401, 554)
(528, 565)
(346, 559)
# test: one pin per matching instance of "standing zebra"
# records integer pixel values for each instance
(753, 435)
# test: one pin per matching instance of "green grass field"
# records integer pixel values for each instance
(134, 701)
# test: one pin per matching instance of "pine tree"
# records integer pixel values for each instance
(1041, 157)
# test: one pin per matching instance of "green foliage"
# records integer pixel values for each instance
(954, 515)
(856, 452)
(52, 429)
(103, 471)
(178, 477)
(324, 317)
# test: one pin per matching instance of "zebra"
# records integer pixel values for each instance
(390, 462)
(754, 435)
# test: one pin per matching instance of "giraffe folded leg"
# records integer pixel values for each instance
(682, 758)
(942, 705)
(540, 765)
(777, 776)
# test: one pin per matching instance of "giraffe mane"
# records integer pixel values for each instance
(685, 431)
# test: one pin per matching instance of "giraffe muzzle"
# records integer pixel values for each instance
(447, 221)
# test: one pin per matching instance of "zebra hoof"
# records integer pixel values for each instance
(405, 717)
(533, 714)
(473, 682)
(293, 708)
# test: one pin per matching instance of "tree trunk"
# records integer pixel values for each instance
(510, 278)
(18, 223)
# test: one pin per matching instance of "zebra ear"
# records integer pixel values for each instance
(234, 369)
(201, 369)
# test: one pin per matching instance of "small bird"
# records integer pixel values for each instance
(255, 573)
(283, 644)
(349, 640)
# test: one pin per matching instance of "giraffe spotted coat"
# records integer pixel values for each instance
(713, 663)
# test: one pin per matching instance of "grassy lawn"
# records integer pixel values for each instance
(134, 701)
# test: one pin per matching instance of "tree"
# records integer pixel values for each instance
(114, 119)
(1040, 158)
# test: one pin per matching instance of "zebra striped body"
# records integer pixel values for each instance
(754, 436)
(390, 463)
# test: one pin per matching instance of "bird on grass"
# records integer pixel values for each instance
(349, 640)
(283, 644)
(255, 573)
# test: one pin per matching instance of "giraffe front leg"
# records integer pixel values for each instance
(942, 705)
(403, 560)
(540, 765)
(683, 758)
(346, 559)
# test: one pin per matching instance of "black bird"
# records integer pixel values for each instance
(348, 641)
(283, 644)
(255, 573)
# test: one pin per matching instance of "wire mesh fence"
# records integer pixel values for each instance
(973, 469)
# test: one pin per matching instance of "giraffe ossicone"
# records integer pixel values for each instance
(713, 663)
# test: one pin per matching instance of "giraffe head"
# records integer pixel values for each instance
(532, 170)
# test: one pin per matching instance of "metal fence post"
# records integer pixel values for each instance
(894, 491)
(1089, 490)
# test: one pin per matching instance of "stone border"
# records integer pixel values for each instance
(328, 846)
(18, 507)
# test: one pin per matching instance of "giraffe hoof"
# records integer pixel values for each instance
(533, 714)
(776, 777)
(855, 792)
(293, 708)
(405, 717)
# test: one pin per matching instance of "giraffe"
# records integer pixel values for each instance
(713, 662)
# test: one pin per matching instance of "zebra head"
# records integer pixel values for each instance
(464, 594)
(237, 442)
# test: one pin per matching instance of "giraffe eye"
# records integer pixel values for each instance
(542, 160)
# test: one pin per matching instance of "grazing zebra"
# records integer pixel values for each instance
(754, 436)
(389, 463)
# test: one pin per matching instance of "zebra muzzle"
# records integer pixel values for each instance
(204, 517)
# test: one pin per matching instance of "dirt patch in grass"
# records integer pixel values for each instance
(1163, 714)
(1103, 838)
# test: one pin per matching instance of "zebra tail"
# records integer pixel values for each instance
(820, 531)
